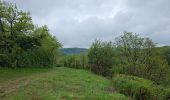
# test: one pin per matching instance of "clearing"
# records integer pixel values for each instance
(59, 83)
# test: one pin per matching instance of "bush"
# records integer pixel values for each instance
(4, 60)
(167, 95)
(72, 61)
(37, 57)
(140, 89)
(100, 57)
(78, 61)
(160, 93)
(135, 87)
(117, 70)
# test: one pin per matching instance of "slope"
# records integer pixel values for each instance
(59, 84)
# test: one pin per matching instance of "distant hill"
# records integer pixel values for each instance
(69, 51)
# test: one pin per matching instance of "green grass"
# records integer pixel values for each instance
(7, 74)
(61, 84)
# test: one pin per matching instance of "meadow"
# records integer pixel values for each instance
(59, 83)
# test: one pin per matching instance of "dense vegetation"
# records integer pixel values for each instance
(139, 88)
(143, 66)
(132, 65)
(140, 57)
(22, 43)
(101, 57)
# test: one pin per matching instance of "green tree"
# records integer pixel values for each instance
(129, 47)
(23, 44)
(166, 52)
(14, 24)
(100, 57)
(140, 57)
(83, 61)
(44, 55)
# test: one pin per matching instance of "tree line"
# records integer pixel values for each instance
(135, 55)
(130, 54)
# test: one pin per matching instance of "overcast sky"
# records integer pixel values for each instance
(76, 23)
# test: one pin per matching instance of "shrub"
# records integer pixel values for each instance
(167, 97)
(160, 93)
(140, 89)
(78, 61)
(72, 61)
(4, 60)
(117, 70)
(37, 57)
(135, 87)
(100, 57)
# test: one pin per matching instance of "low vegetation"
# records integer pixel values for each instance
(59, 84)
(78, 61)
(139, 88)
(7, 74)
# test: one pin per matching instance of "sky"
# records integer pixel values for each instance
(77, 23)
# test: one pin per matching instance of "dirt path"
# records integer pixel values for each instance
(13, 85)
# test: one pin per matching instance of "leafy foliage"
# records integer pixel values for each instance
(100, 57)
(139, 88)
(166, 53)
(22, 44)
(140, 57)
(75, 61)
(44, 55)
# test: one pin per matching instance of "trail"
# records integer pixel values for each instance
(15, 84)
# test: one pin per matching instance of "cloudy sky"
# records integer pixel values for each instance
(76, 23)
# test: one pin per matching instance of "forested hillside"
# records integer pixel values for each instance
(68, 51)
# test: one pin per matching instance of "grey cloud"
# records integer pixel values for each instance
(77, 23)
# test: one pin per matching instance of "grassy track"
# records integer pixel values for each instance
(56, 84)
(12, 74)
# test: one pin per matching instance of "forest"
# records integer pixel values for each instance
(130, 68)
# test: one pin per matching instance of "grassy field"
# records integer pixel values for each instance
(12, 74)
(55, 84)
